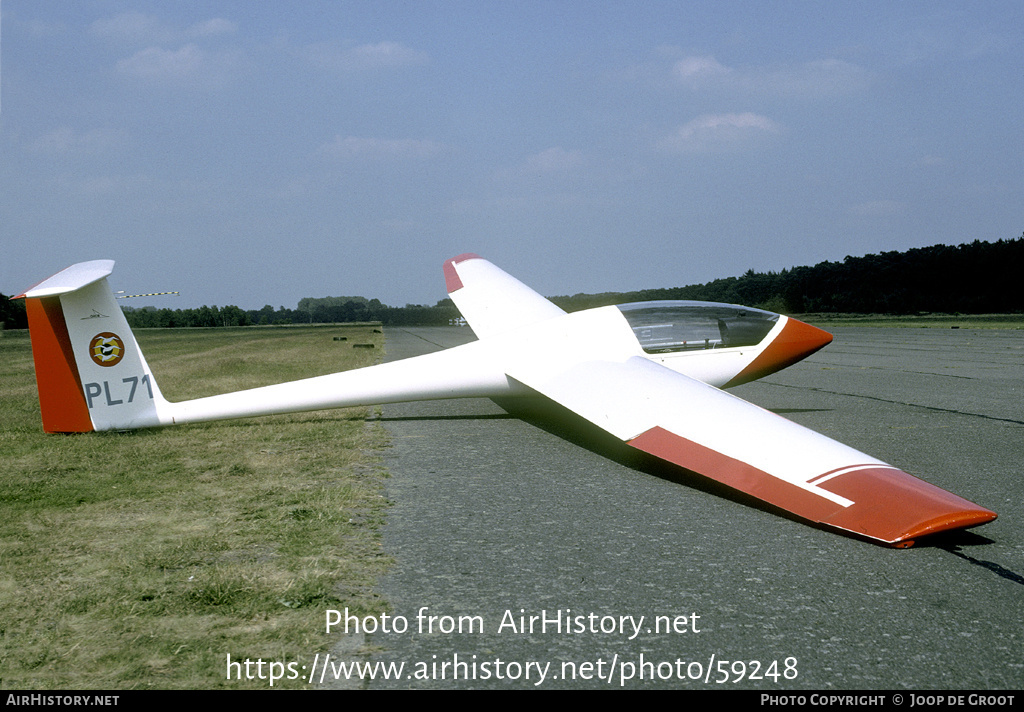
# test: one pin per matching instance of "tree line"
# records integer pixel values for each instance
(326, 310)
(972, 278)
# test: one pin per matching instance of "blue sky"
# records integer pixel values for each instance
(252, 153)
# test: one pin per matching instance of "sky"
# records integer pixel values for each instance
(257, 153)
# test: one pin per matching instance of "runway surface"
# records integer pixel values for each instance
(496, 520)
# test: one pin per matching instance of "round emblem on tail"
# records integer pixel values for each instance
(106, 349)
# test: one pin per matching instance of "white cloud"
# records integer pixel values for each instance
(189, 66)
(160, 63)
(823, 77)
(364, 57)
(355, 147)
(548, 168)
(170, 53)
(139, 28)
(386, 54)
(215, 26)
(695, 69)
(713, 132)
(553, 160)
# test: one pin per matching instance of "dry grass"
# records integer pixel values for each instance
(142, 560)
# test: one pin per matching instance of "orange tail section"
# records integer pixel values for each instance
(61, 396)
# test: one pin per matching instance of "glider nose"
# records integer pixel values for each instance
(796, 341)
(800, 340)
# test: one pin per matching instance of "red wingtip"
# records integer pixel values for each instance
(897, 508)
(796, 341)
(888, 506)
(452, 281)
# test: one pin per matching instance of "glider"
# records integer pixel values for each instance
(648, 373)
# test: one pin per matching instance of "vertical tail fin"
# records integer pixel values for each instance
(90, 371)
(491, 300)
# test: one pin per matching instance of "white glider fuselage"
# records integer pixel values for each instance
(648, 373)
(475, 370)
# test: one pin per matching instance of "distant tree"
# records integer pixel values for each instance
(970, 278)
(233, 316)
(12, 313)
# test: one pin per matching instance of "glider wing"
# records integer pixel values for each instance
(722, 437)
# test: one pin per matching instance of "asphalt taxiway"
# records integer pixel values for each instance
(525, 555)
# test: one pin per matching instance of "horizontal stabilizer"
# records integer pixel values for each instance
(71, 279)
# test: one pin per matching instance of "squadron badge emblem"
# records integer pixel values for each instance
(106, 349)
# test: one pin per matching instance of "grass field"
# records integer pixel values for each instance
(141, 560)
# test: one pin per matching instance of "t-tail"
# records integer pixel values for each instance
(90, 371)
(92, 375)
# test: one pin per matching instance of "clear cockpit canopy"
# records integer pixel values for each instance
(668, 326)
